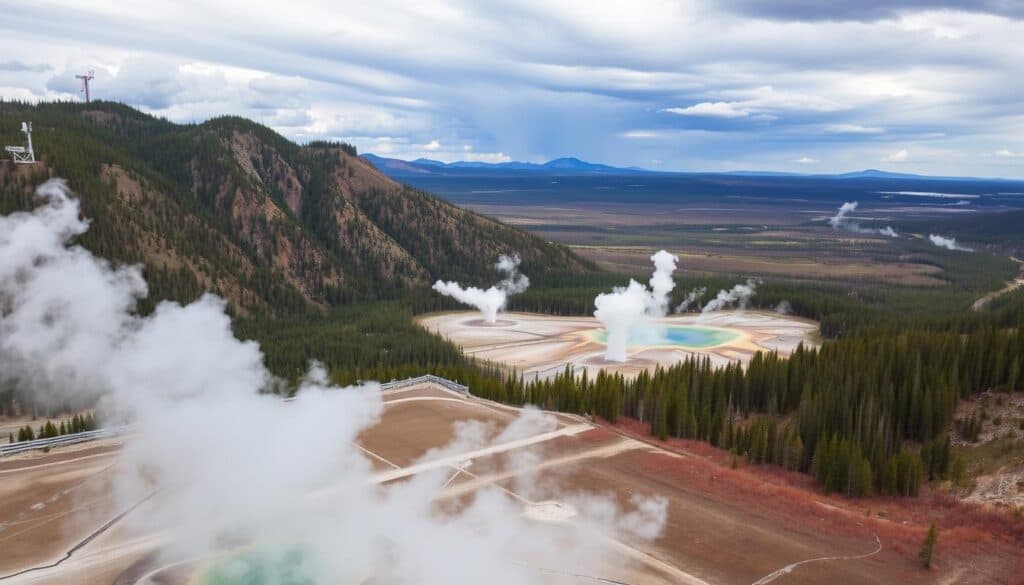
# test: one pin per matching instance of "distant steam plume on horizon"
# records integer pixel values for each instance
(494, 299)
(841, 221)
(948, 243)
(236, 465)
(626, 308)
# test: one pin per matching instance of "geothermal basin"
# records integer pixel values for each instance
(540, 346)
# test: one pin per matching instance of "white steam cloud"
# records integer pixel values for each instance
(948, 243)
(626, 308)
(236, 465)
(691, 299)
(841, 221)
(489, 302)
(738, 295)
(784, 307)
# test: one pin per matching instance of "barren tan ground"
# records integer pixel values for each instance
(542, 345)
(711, 537)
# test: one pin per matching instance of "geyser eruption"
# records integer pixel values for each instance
(661, 283)
(494, 299)
(236, 465)
(738, 295)
(841, 221)
(948, 243)
(625, 308)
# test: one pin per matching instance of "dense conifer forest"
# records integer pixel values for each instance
(321, 258)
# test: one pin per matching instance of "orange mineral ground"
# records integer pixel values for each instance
(60, 521)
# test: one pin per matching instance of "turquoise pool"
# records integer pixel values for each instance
(688, 336)
(259, 567)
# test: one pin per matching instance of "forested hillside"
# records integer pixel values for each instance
(302, 232)
(232, 207)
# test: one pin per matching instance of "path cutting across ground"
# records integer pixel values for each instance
(698, 546)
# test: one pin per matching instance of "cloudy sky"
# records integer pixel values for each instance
(932, 86)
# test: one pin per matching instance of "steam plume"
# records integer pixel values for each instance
(661, 283)
(692, 297)
(784, 307)
(738, 295)
(841, 221)
(234, 462)
(948, 243)
(625, 308)
(494, 299)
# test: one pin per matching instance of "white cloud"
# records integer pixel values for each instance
(897, 157)
(710, 109)
(432, 145)
(491, 157)
(806, 160)
(852, 129)
(640, 134)
(540, 80)
(1006, 153)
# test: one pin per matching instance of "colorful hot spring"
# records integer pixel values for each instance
(259, 567)
(688, 336)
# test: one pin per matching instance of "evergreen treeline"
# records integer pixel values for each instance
(866, 414)
(76, 424)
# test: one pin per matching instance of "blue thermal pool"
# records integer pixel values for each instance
(688, 336)
(259, 567)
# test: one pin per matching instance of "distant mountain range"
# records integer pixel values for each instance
(426, 166)
(420, 167)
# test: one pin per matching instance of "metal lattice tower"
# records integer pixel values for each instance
(23, 155)
(85, 83)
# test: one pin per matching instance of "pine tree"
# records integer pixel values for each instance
(928, 547)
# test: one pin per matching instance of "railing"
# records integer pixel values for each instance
(70, 439)
(428, 379)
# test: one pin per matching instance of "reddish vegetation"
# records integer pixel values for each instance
(596, 435)
(966, 530)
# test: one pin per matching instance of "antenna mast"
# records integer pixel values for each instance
(85, 83)
(20, 154)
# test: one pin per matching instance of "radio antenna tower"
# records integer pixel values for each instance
(23, 155)
(85, 83)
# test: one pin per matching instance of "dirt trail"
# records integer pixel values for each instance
(1011, 286)
(789, 568)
